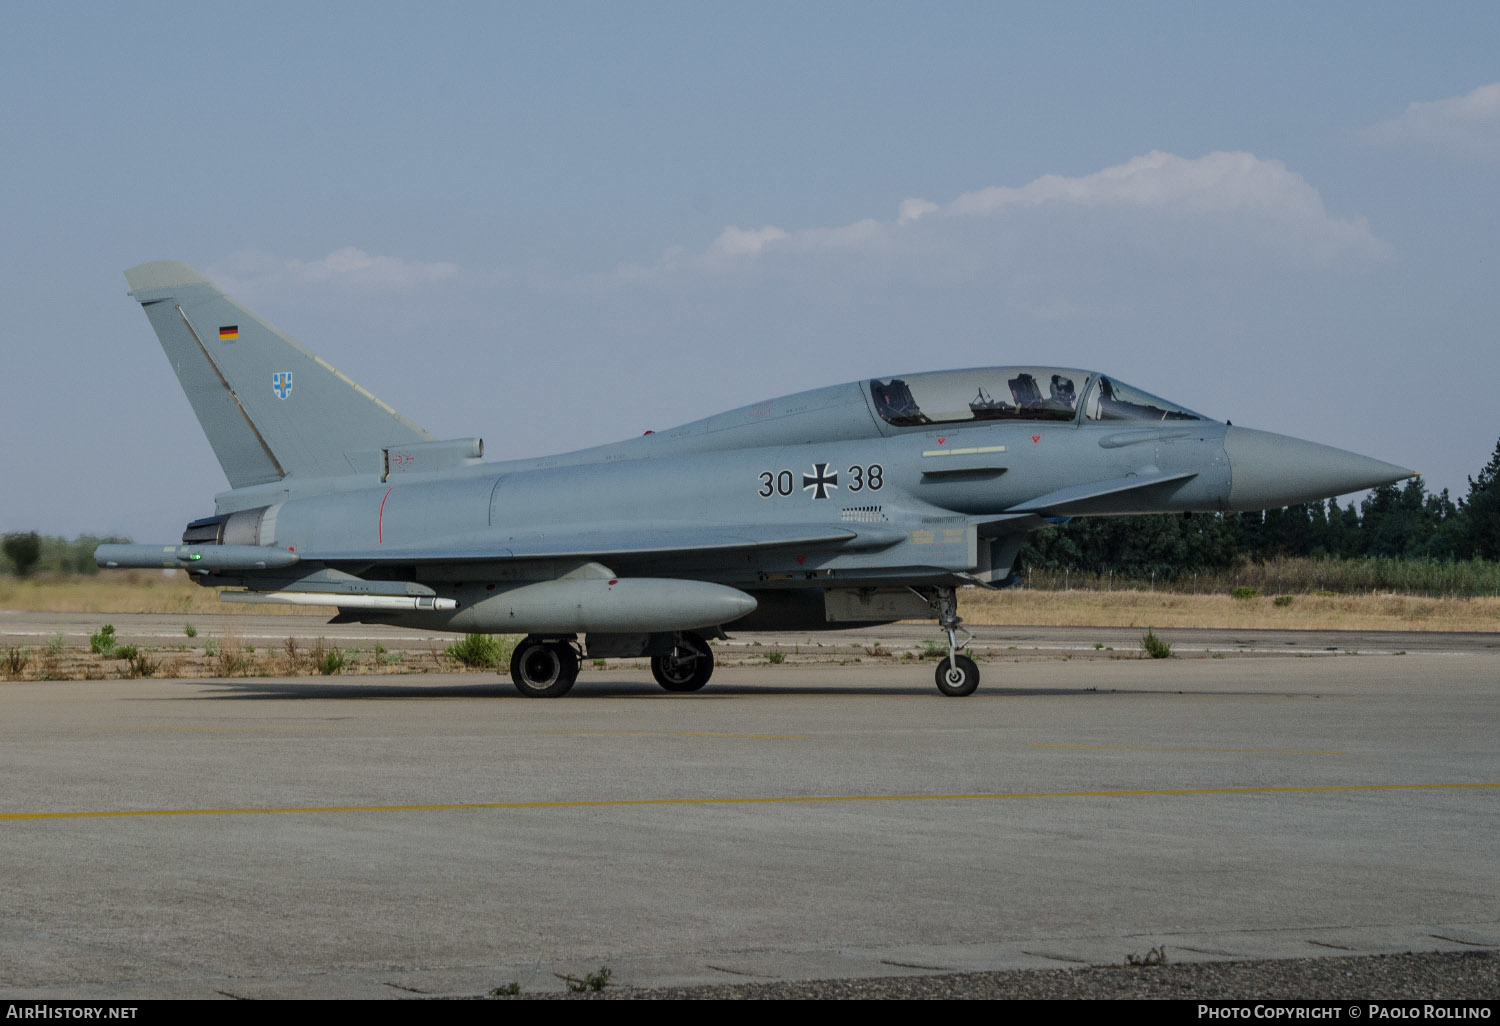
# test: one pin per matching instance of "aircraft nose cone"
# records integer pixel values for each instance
(1268, 470)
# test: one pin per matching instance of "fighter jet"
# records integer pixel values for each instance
(856, 504)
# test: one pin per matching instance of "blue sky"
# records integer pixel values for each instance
(557, 225)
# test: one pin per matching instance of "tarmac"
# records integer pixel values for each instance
(390, 837)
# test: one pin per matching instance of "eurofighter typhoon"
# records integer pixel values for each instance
(851, 505)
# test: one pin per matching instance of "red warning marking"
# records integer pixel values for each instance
(942, 440)
(801, 560)
(380, 520)
(1035, 439)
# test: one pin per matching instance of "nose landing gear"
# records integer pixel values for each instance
(957, 675)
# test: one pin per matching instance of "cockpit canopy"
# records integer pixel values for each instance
(1015, 393)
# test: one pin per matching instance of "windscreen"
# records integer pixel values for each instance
(1114, 400)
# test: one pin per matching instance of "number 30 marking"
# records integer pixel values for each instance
(775, 484)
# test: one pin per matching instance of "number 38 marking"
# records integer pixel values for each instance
(871, 477)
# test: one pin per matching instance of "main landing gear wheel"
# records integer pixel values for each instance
(687, 667)
(543, 669)
(958, 678)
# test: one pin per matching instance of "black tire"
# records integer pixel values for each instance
(687, 667)
(543, 670)
(958, 680)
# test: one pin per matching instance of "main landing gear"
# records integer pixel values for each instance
(544, 667)
(685, 666)
(957, 675)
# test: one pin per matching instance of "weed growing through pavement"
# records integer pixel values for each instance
(141, 665)
(325, 660)
(102, 642)
(1155, 957)
(15, 662)
(1155, 647)
(593, 983)
(482, 651)
(228, 656)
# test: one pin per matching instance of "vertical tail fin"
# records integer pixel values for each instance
(270, 408)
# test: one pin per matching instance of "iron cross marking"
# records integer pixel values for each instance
(820, 480)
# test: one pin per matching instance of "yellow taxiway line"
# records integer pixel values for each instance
(681, 733)
(1237, 751)
(771, 800)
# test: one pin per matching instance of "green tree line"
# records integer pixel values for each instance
(28, 552)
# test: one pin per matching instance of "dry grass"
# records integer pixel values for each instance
(129, 591)
(1078, 608)
(221, 657)
(1294, 575)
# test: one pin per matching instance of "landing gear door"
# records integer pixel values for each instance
(854, 605)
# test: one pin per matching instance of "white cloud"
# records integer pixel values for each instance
(912, 209)
(248, 271)
(1467, 126)
(1229, 206)
(355, 267)
(1218, 183)
(1056, 241)
(733, 242)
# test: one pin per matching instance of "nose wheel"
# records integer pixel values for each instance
(957, 676)
(543, 668)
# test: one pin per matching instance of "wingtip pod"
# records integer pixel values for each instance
(199, 559)
(162, 274)
(1269, 470)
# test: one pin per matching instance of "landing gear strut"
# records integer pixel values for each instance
(686, 666)
(544, 667)
(956, 675)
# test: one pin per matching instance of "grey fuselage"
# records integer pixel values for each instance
(919, 504)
